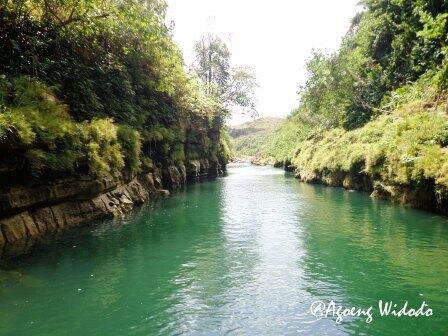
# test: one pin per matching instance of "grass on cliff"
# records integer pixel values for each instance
(93, 75)
(406, 144)
(280, 146)
(37, 128)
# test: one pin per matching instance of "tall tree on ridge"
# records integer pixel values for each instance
(232, 87)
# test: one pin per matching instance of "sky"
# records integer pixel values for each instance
(274, 38)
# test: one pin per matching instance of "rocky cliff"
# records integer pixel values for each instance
(41, 211)
(426, 196)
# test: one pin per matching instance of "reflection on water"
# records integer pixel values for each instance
(246, 254)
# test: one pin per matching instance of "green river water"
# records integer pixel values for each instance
(245, 254)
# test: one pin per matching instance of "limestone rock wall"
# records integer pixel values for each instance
(425, 196)
(33, 214)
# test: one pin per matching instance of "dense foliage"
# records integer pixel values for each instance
(98, 81)
(379, 105)
(400, 148)
(391, 43)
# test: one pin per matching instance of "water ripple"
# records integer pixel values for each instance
(243, 255)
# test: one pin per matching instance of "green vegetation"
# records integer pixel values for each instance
(280, 146)
(35, 126)
(249, 139)
(231, 86)
(390, 44)
(407, 147)
(93, 86)
(379, 105)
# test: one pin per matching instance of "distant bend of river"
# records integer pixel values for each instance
(245, 254)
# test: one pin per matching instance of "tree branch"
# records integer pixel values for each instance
(73, 11)
(51, 10)
(78, 19)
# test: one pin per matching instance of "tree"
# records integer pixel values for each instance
(390, 44)
(105, 60)
(232, 87)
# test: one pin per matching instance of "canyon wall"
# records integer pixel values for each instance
(40, 212)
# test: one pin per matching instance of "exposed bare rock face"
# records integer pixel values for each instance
(426, 196)
(33, 214)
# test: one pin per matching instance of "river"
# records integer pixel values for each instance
(245, 254)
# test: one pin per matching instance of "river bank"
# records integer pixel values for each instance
(425, 197)
(97, 114)
(41, 212)
(399, 156)
(247, 253)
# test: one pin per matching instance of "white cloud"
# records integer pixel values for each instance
(275, 38)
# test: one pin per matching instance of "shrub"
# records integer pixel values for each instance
(35, 122)
(14, 128)
(102, 148)
(406, 148)
(131, 144)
